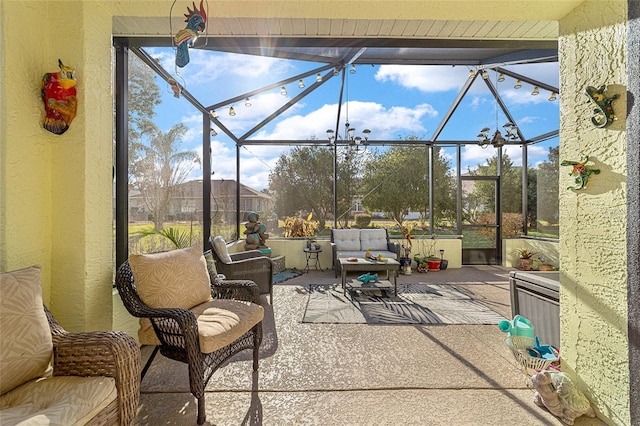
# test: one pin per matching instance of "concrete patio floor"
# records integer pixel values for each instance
(358, 374)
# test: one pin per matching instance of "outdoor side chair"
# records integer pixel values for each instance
(246, 265)
(179, 335)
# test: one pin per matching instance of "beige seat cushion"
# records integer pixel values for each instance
(220, 322)
(173, 279)
(59, 400)
(373, 239)
(346, 239)
(220, 246)
(25, 347)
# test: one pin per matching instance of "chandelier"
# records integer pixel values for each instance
(354, 145)
(511, 134)
(511, 130)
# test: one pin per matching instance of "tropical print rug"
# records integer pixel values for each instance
(414, 304)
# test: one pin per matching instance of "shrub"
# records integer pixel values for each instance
(511, 225)
(363, 220)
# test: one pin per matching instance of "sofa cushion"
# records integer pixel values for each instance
(26, 347)
(220, 322)
(220, 246)
(346, 239)
(373, 239)
(58, 400)
(173, 279)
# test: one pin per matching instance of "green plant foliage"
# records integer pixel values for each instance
(296, 226)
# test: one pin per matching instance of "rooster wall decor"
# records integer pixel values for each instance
(184, 39)
(59, 97)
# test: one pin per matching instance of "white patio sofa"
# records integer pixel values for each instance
(355, 243)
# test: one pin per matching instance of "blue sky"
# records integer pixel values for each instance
(393, 101)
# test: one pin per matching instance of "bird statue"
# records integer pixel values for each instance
(184, 39)
(59, 97)
(557, 393)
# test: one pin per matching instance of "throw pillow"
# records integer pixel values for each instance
(26, 347)
(220, 246)
(173, 279)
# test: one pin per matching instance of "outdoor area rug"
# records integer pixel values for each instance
(414, 304)
(287, 274)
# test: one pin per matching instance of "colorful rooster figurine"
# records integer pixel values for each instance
(59, 96)
(196, 23)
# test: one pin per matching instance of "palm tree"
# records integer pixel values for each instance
(160, 167)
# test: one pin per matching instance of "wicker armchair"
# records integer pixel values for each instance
(101, 353)
(247, 265)
(54, 375)
(177, 329)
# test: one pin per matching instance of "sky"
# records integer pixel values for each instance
(393, 101)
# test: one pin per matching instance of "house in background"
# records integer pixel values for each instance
(186, 202)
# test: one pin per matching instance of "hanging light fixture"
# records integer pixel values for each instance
(472, 73)
(301, 84)
(353, 69)
(247, 103)
(213, 132)
(485, 74)
(283, 91)
(511, 131)
(517, 85)
(213, 114)
(535, 91)
(318, 78)
(352, 143)
(500, 78)
(232, 112)
(553, 96)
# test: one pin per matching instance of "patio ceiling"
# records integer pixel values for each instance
(482, 34)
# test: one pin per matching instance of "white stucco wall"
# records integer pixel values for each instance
(593, 301)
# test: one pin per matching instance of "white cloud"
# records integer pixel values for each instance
(384, 123)
(426, 78)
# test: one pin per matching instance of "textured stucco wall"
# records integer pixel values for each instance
(25, 148)
(56, 189)
(593, 295)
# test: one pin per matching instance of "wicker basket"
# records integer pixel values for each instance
(520, 348)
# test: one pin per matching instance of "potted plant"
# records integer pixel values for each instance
(433, 263)
(525, 259)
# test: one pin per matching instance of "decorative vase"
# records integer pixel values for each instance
(525, 264)
(434, 265)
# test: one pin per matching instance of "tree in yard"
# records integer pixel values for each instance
(303, 181)
(398, 181)
(511, 180)
(144, 96)
(511, 186)
(546, 188)
(160, 168)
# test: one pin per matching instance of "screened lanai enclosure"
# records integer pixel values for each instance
(452, 138)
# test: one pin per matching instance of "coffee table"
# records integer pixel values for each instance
(364, 265)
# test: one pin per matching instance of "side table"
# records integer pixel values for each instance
(312, 254)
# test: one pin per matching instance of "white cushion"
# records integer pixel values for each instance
(220, 322)
(59, 400)
(173, 279)
(373, 239)
(346, 239)
(25, 347)
(220, 246)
